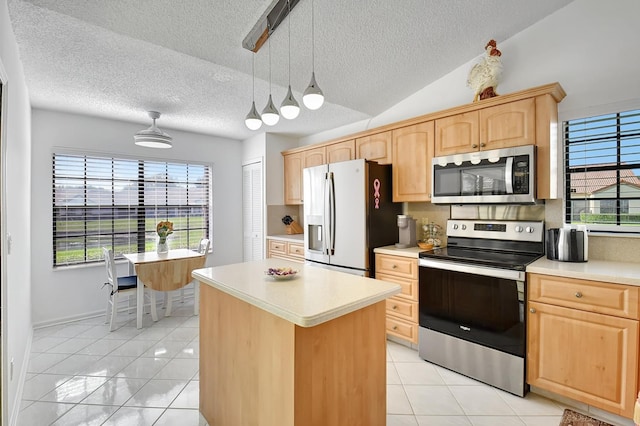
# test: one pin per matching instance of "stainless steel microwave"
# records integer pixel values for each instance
(497, 176)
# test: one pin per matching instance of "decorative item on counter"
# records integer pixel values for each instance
(292, 226)
(485, 75)
(164, 229)
(431, 235)
(285, 273)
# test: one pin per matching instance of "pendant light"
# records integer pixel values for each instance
(289, 108)
(270, 115)
(252, 120)
(153, 137)
(313, 97)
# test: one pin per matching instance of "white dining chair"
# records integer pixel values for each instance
(118, 286)
(203, 249)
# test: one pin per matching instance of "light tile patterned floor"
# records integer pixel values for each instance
(82, 374)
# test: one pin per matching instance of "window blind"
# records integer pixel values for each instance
(117, 203)
(602, 171)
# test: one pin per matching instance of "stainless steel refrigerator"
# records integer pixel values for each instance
(348, 211)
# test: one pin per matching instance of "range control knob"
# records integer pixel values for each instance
(529, 229)
(464, 227)
(455, 226)
(519, 228)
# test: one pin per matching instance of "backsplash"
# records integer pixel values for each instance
(434, 213)
(275, 213)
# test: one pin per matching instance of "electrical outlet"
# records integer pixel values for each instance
(11, 369)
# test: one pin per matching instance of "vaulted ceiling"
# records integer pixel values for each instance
(119, 59)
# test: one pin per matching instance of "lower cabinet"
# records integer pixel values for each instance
(402, 309)
(287, 250)
(577, 352)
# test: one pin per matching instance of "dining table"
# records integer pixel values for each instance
(164, 272)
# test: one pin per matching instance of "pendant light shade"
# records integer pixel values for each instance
(270, 115)
(253, 121)
(290, 108)
(153, 137)
(313, 97)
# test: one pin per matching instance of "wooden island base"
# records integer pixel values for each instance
(259, 369)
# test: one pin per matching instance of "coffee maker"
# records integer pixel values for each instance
(406, 231)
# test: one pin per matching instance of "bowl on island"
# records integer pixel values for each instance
(285, 273)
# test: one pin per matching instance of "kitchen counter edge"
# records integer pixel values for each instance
(292, 238)
(595, 270)
(395, 251)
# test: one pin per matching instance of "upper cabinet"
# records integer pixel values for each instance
(293, 178)
(341, 151)
(375, 147)
(501, 126)
(529, 117)
(412, 153)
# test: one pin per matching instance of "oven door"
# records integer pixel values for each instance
(483, 305)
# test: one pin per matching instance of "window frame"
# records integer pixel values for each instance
(586, 114)
(136, 211)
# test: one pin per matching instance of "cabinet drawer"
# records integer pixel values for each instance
(397, 266)
(402, 329)
(594, 296)
(408, 288)
(277, 246)
(295, 250)
(403, 309)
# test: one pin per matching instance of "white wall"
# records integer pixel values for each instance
(589, 47)
(17, 263)
(67, 293)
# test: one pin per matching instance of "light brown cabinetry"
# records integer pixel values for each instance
(582, 341)
(375, 148)
(341, 151)
(402, 309)
(501, 126)
(412, 153)
(286, 250)
(314, 157)
(293, 165)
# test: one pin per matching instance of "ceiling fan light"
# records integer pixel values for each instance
(270, 115)
(153, 137)
(253, 120)
(313, 97)
(290, 108)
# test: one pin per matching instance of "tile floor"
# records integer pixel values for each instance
(82, 374)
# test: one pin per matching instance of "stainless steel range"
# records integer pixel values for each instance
(472, 300)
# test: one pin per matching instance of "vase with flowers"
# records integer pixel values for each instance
(164, 229)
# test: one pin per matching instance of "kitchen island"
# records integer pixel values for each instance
(310, 351)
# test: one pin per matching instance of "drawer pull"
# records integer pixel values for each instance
(394, 266)
(395, 307)
(532, 310)
(395, 327)
(578, 294)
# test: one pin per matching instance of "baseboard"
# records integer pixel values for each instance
(22, 377)
(175, 295)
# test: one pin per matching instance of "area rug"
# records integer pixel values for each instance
(571, 418)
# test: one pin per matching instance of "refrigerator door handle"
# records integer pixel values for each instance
(332, 217)
(326, 221)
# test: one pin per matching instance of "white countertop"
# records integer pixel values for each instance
(314, 296)
(294, 238)
(595, 270)
(395, 251)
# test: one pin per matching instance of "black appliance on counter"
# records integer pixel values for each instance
(472, 299)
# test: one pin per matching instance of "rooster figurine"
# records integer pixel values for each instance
(485, 75)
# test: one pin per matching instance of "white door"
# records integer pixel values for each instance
(252, 212)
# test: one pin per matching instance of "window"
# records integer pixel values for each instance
(602, 168)
(117, 203)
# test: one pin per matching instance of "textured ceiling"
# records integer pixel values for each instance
(118, 59)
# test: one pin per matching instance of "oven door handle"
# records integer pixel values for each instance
(507, 274)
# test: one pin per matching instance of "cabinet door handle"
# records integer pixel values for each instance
(475, 145)
(578, 294)
(532, 310)
(482, 145)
